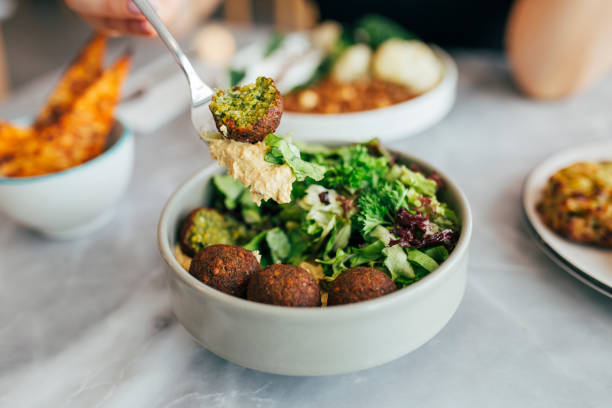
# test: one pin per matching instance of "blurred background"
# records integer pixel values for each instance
(23, 57)
(554, 48)
(37, 52)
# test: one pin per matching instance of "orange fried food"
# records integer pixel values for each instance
(79, 76)
(11, 138)
(577, 203)
(79, 135)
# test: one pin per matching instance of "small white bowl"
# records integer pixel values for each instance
(76, 201)
(312, 341)
(397, 121)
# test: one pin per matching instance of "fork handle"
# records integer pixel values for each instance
(200, 92)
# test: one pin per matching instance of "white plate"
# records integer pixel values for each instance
(591, 265)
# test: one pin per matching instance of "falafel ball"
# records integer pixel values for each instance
(248, 113)
(226, 268)
(284, 285)
(206, 226)
(359, 284)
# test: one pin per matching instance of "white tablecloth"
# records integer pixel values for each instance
(88, 323)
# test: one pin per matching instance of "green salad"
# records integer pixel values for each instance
(351, 206)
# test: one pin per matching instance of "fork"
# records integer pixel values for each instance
(201, 94)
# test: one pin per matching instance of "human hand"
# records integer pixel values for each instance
(117, 17)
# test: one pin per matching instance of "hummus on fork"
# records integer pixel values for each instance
(246, 162)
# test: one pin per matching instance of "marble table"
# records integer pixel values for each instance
(87, 323)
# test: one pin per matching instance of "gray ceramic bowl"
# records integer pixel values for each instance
(313, 341)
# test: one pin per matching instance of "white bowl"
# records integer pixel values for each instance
(311, 341)
(76, 201)
(394, 122)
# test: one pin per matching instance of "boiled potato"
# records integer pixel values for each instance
(354, 63)
(407, 62)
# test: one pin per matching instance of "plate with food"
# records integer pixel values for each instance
(567, 202)
(309, 259)
(63, 172)
(342, 83)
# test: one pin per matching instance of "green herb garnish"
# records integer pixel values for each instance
(374, 30)
(236, 75)
(274, 44)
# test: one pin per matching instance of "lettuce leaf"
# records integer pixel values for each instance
(278, 243)
(439, 253)
(343, 236)
(368, 254)
(251, 212)
(416, 180)
(422, 259)
(382, 234)
(281, 152)
(231, 188)
(336, 264)
(299, 243)
(396, 262)
(272, 244)
(338, 238)
(254, 243)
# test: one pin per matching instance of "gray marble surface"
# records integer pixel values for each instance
(88, 323)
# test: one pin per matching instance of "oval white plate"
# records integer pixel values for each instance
(591, 265)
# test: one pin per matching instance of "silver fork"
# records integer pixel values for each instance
(201, 93)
